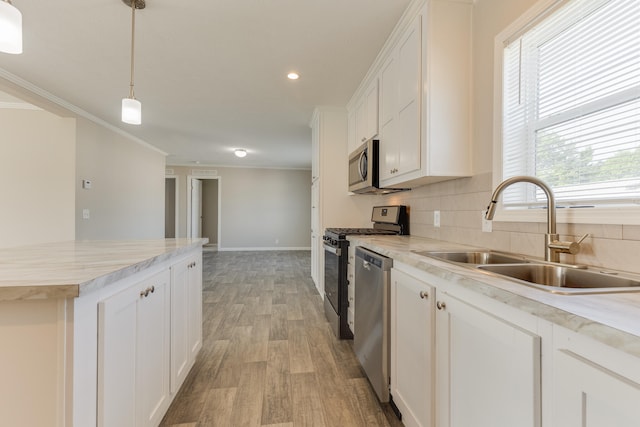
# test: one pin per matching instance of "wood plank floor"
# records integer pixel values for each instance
(268, 356)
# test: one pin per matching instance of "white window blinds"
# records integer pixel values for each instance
(571, 105)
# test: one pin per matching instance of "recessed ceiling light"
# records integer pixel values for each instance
(240, 152)
(293, 76)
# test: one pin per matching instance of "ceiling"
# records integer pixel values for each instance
(211, 74)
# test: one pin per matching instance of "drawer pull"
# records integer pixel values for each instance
(145, 293)
(441, 305)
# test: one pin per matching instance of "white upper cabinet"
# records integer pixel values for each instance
(363, 120)
(424, 79)
(401, 143)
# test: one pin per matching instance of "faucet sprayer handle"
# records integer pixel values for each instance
(582, 238)
(491, 210)
(568, 247)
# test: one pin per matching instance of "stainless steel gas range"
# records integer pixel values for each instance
(387, 220)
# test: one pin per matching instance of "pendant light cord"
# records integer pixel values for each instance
(133, 35)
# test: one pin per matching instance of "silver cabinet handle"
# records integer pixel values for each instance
(441, 305)
(424, 295)
(146, 292)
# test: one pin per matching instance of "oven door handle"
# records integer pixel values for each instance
(331, 249)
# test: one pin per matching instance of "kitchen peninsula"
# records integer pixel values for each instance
(97, 332)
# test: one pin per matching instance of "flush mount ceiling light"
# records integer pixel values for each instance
(293, 76)
(10, 28)
(240, 152)
(131, 107)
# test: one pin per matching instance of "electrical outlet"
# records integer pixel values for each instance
(86, 214)
(436, 218)
(277, 241)
(487, 224)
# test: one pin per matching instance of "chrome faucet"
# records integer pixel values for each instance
(553, 247)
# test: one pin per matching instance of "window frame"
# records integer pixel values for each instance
(594, 215)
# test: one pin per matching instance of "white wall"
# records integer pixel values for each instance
(126, 200)
(490, 17)
(258, 207)
(37, 174)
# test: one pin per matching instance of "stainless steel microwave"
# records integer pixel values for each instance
(363, 168)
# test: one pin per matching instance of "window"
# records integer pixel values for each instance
(571, 104)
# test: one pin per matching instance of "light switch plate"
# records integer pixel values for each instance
(436, 218)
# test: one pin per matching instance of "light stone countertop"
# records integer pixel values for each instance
(613, 319)
(75, 268)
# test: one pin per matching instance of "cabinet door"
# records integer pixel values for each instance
(487, 370)
(371, 108)
(315, 233)
(388, 100)
(133, 354)
(361, 121)
(352, 134)
(179, 324)
(400, 107)
(153, 351)
(409, 74)
(412, 337)
(589, 395)
(117, 343)
(195, 308)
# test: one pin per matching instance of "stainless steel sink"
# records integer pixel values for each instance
(565, 279)
(474, 257)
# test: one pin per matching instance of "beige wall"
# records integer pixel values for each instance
(258, 207)
(461, 201)
(37, 175)
(126, 200)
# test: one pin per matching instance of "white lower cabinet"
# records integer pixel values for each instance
(461, 359)
(487, 369)
(458, 361)
(594, 385)
(186, 315)
(412, 336)
(133, 354)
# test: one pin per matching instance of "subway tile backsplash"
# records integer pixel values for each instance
(460, 202)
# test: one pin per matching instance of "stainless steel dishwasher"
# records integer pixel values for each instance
(371, 340)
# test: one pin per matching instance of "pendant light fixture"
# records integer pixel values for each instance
(10, 28)
(131, 107)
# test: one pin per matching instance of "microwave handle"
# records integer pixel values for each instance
(360, 160)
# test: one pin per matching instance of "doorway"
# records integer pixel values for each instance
(170, 207)
(203, 206)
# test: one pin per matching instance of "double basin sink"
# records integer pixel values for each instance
(551, 277)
